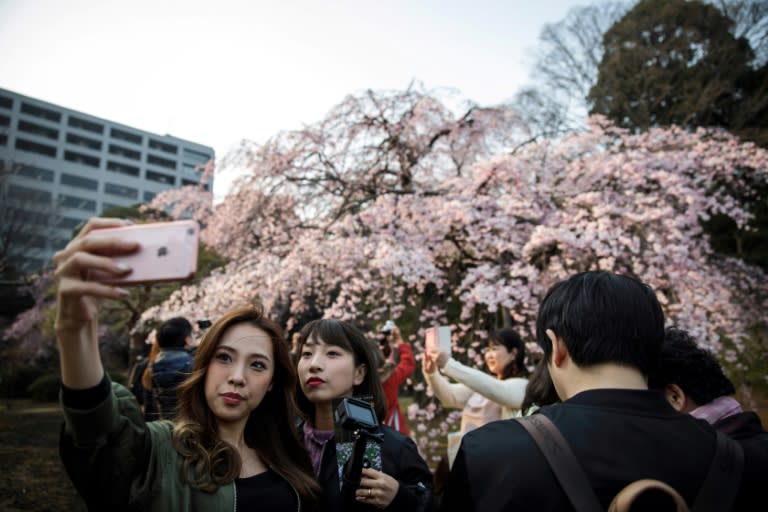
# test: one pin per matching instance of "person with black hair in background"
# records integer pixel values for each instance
(693, 381)
(137, 372)
(601, 335)
(540, 390)
(172, 365)
(233, 446)
(337, 360)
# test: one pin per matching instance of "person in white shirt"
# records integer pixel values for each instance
(483, 397)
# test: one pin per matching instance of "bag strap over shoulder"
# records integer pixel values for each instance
(563, 462)
(718, 492)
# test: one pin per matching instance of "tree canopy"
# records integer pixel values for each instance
(677, 62)
(362, 216)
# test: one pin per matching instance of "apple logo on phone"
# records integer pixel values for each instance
(162, 251)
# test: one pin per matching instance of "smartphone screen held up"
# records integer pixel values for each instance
(438, 338)
(168, 252)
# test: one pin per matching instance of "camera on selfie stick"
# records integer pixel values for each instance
(357, 417)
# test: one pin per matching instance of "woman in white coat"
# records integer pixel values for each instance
(482, 396)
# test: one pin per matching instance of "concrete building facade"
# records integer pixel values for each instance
(60, 167)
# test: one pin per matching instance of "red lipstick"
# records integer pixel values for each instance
(313, 382)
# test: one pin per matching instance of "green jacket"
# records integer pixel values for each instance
(118, 462)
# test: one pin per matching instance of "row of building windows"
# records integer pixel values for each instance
(32, 203)
(82, 183)
(79, 203)
(35, 173)
(46, 175)
(25, 195)
(41, 112)
(79, 140)
(29, 217)
(94, 127)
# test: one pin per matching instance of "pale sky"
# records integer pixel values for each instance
(216, 72)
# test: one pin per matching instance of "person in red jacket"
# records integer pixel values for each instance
(398, 365)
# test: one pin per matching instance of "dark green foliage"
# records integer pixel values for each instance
(751, 370)
(133, 212)
(750, 245)
(676, 62)
(15, 379)
(45, 388)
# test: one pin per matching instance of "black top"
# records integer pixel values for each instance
(400, 459)
(265, 491)
(618, 436)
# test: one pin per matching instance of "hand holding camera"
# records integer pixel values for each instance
(357, 417)
(389, 339)
(363, 479)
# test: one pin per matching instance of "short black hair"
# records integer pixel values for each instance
(347, 336)
(173, 332)
(603, 318)
(695, 369)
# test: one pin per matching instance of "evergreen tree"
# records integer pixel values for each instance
(676, 62)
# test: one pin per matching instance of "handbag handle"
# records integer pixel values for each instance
(622, 502)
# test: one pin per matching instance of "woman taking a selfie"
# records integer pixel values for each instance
(233, 446)
(482, 397)
(335, 361)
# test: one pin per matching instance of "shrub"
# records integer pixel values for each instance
(16, 380)
(46, 388)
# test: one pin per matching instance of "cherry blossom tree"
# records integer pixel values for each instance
(475, 239)
(442, 235)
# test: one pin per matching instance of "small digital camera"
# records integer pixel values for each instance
(357, 417)
(355, 414)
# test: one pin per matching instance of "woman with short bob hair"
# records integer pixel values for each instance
(336, 360)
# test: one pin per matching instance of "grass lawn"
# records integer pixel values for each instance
(32, 476)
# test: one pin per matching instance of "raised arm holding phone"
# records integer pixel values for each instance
(483, 397)
(233, 445)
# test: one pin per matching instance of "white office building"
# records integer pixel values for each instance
(59, 167)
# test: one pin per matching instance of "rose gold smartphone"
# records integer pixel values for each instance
(168, 252)
(438, 338)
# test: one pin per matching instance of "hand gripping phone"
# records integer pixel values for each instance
(168, 253)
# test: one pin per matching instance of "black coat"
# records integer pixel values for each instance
(618, 436)
(400, 459)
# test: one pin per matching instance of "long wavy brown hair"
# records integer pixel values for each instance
(208, 461)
